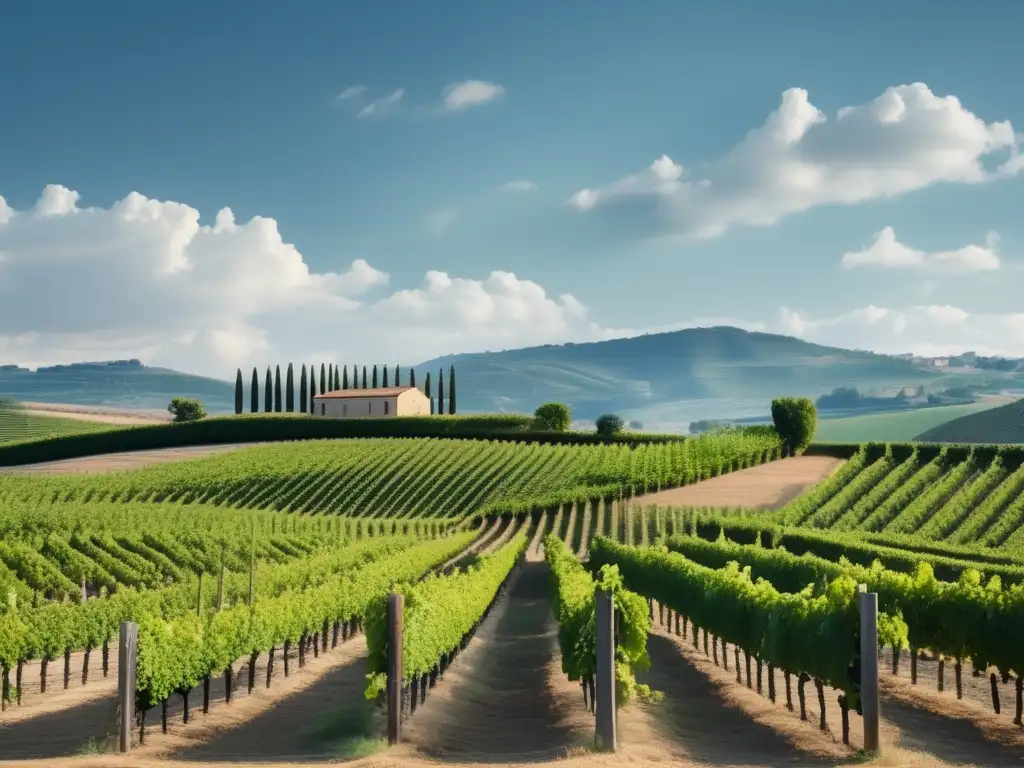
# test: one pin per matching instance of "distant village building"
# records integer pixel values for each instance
(371, 403)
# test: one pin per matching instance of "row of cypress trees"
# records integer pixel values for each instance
(331, 379)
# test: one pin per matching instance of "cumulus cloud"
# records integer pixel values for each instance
(146, 278)
(470, 93)
(352, 92)
(887, 251)
(519, 186)
(906, 139)
(382, 106)
(927, 329)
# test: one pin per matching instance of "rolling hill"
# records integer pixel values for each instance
(1003, 425)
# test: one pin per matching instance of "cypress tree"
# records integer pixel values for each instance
(239, 396)
(289, 390)
(427, 392)
(277, 389)
(385, 385)
(398, 381)
(303, 392)
(254, 393)
(440, 392)
(337, 378)
(344, 377)
(375, 377)
(268, 399)
(412, 377)
(312, 388)
(451, 390)
(364, 378)
(323, 379)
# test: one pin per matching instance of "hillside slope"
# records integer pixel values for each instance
(670, 378)
(1004, 424)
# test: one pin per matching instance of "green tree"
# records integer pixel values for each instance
(186, 409)
(239, 394)
(337, 379)
(344, 377)
(385, 383)
(398, 381)
(277, 389)
(552, 417)
(312, 388)
(440, 391)
(795, 419)
(268, 398)
(451, 390)
(412, 377)
(289, 390)
(254, 393)
(323, 379)
(364, 378)
(609, 425)
(375, 377)
(303, 392)
(428, 393)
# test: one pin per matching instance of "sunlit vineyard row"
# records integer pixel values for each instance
(409, 477)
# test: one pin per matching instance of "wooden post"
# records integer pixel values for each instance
(868, 604)
(396, 621)
(604, 736)
(126, 656)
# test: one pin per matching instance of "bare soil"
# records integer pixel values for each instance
(766, 486)
(113, 462)
(105, 413)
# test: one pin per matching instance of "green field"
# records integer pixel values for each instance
(899, 426)
(17, 425)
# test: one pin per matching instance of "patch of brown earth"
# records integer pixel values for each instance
(766, 486)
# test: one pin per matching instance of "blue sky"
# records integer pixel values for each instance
(236, 105)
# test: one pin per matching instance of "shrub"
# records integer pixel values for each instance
(184, 409)
(795, 419)
(552, 417)
(609, 425)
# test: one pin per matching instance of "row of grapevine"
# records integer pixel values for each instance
(965, 619)
(175, 655)
(441, 613)
(572, 600)
(52, 629)
(812, 633)
(385, 476)
(805, 505)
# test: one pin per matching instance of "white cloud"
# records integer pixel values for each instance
(906, 139)
(470, 93)
(520, 186)
(382, 106)
(144, 278)
(352, 92)
(927, 329)
(886, 251)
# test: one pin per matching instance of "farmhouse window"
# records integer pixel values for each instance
(323, 409)
(385, 407)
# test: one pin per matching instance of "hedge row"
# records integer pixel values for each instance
(1012, 455)
(258, 428)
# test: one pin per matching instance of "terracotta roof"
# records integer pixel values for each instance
(379, 392)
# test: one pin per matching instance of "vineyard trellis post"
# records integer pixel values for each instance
(126, 657)
(605, 671)
(867, 603)
(396, 621)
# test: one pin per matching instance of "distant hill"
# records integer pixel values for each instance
(1004, 424)
(671, 379)
(120, 383)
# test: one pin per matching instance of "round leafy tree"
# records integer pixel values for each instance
(609, 425)
(552, 417)
(184, 409)
(795, 419)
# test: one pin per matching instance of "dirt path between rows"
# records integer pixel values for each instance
(111, 462)
(766, 486)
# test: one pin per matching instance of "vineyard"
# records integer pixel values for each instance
(17, 425)
(259, 582)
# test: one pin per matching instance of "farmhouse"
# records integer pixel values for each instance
(371, 403)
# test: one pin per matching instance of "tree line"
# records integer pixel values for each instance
(331, 379)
